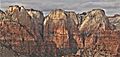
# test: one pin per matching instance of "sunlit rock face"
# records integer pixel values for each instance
(93, 20)
(96, 30)
(31, 19)
(18, 14)
(115, 20)
(58, 27)
(90, 23)
(55, 19)
(13, 9)
(13, 12)
(61, 33)
(20, 28)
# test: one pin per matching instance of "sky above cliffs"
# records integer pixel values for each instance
(110, 6)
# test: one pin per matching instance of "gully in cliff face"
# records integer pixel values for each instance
(81, 17)
(2, 15)
(37, 20)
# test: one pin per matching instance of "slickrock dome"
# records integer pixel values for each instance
(93, 20)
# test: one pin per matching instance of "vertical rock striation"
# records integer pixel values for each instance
(26, 32)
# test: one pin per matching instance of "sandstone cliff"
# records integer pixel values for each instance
(115, 20)
(20, 29)
(27, 33)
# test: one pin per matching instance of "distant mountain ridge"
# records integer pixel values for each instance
(28, 33)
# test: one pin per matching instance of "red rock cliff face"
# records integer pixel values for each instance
(97, 30)
(26, 32)
(20, 31)
(58, 27)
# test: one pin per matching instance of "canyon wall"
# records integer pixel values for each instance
(28, 33)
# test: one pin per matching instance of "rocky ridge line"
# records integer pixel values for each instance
(26, 32)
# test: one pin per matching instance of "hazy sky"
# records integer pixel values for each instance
(110, 6)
